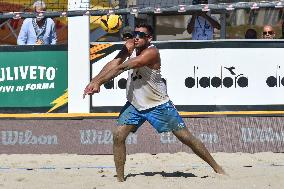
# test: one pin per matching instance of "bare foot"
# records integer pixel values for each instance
(220, 170)
(120, 179)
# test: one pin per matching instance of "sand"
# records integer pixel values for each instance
(143, 171)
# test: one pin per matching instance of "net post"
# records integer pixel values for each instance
(78, 58)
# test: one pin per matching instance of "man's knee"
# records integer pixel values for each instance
(119, 135)
(184, 135)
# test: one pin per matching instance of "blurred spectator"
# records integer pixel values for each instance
(268, 32)
(127, 33)
(38, 31)
(202, 24)
(251, 34)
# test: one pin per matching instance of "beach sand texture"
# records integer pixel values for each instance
(161, 171)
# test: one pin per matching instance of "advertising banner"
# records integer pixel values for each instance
(94, 136)
(209, 76)
(30, 79)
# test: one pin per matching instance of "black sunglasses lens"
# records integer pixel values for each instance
(268, 32)
(139, 34)
(127, 36)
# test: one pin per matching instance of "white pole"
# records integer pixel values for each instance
(78, 58)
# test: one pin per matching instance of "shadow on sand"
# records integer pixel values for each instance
(163, 174)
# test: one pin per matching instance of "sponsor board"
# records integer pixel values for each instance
(26, 137)
(207, 76)
(94, 136)
(32, 79)
(210, 76)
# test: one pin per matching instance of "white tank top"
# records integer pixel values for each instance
(145, 88)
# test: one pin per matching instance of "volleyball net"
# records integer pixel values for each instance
(58, 8)
(13, 12)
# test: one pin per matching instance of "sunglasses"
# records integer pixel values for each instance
(127, 36)
(268, 33)
(140, 34)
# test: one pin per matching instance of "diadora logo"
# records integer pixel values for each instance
(116, 84)
(121, 83)
(228, 78)
(275, 81)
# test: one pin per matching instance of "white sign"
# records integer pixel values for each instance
(111, 94)
(210, 76)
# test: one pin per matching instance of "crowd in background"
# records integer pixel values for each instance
(199, 26)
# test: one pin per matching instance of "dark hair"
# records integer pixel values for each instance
(127, 33)
(145, 25)
(251, 34)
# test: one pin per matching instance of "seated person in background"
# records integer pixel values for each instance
(127, 33)
(251, 34)
(37, 31)
(268, 32)
(202, 24)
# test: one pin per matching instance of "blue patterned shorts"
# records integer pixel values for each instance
(164, 118)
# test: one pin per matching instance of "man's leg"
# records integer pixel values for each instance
(198, 148)
(120, 134)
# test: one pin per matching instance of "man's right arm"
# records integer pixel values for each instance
(23, 35)
(190, 25)
(119, 59)
(126, 51)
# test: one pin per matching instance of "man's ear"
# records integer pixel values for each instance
(150, 38)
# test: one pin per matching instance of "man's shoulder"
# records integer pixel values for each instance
(151, 49)
(50, 21)
(28, 20)
(152, 54)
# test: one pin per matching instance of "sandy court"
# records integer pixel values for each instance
(179, 170)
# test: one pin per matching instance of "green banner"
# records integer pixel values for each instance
(32, 78)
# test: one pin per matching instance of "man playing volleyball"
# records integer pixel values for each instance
(147, 98)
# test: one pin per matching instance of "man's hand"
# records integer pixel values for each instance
(129, 44)
(91, 88)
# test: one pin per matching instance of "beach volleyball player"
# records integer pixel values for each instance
(147, 98)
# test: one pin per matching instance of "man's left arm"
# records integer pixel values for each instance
(23, 35)
(212, 21)
(53, 34)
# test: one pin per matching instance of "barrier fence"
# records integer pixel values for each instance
(215, 76)
(99, 8)
(34, 78)
(94, 136)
